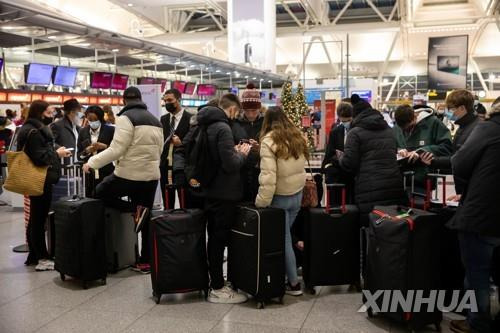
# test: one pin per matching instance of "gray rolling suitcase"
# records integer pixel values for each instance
(121, 239)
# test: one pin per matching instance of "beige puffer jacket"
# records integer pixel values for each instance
(278, 176)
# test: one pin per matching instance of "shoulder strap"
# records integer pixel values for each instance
(310, 169)
(28, 137)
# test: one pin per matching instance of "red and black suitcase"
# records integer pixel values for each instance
(403, 254)
(256, 255)
(331, 244)
(178, 251)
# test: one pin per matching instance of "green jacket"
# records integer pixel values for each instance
(429, 134)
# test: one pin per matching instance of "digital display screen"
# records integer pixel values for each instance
(179, 85)
(101, 80)
(190, 86)
(38, 74)
(163, 83)
(65, 76)
(206, 90)
(119, 82)
(1, 64)
(147, 80)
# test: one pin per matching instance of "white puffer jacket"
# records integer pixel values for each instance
(136, 147)
(278, 176)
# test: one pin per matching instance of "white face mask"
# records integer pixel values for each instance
(94, 124)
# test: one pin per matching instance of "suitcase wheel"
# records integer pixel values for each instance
(85, 285)
(370, 313)
(156, 297)
(205, 293)
(260, 305)
(281, 300)
(103, 281)
(63, 277)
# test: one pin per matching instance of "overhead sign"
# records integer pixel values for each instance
(364, 94)
(447, 62)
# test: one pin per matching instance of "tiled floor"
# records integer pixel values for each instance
(40, 302)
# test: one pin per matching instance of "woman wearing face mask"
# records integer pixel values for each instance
(92, 139)
(38, 143)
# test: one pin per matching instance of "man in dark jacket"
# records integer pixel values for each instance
(336, 141)
(370, 155)
(66, 129)
(246, 128)
(476, 168)
(175, 126)
(462, 103)
(224, 191)
(418, 128)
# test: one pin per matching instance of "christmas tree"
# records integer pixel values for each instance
(295, 107)
(288, 103)
(303, 110)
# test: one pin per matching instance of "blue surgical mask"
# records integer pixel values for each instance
(346, 124)
(94, 124)
(450, 115)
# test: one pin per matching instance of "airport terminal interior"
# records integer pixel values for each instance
(249, 166)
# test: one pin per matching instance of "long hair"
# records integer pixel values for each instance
(288, 139)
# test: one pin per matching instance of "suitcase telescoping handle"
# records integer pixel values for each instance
(342, 207)
(181, 192)
(412, 194)
(428, 194)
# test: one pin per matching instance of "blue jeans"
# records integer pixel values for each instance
(291, 205)
(476, 252)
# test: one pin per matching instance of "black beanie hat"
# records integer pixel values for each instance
(359, 105)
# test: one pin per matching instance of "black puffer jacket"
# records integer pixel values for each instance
(467, 123)
(38, 143)
(370, 155)
(476, 168)
(227, 182)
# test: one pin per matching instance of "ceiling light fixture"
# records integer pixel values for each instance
(228, 73)
(52, 37)
(130, 4)
(217, 71)
(254, 78)
(115, 50)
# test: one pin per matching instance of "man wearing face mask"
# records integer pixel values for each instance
(223, 192)
(93, 139)
(420, 133)
(460, 109)
(175, 126)
(66, 129)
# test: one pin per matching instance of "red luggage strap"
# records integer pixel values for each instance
(411, 223)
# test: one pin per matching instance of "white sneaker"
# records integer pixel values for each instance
(44, 265)
(226, 295)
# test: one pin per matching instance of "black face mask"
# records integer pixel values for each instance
(47, 121)
(170, 107)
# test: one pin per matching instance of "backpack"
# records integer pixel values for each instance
(200, 162)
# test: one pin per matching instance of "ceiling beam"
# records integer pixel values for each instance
(342, 12)
(216, 20)
(379, 13)
(292, 15)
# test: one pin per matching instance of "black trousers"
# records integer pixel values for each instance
(141, 193)
(221, 215)
(39, 211)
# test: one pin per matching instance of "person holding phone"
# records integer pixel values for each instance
(419, 133)
(93, 139)
(38, 143)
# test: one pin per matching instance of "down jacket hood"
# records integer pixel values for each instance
(370, 119)
(211, 114)
(423, 113)
(131, 106)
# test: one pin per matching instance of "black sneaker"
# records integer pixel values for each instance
(293, 290)
(140, 216)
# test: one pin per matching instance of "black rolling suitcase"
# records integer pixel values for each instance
(257, 253)
(404, 254)
(452, 270)
(331, 244)
(178, 251)
(80, 249)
